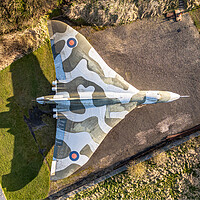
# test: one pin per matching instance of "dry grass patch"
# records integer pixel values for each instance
(137, 170)
(15, 45)
(160, 159)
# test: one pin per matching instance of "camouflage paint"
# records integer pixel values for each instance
(90, 99)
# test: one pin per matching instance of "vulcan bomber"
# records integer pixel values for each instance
(90, 98)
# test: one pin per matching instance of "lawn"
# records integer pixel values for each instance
(23, 172)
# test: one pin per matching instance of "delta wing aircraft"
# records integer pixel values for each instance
(90, 99)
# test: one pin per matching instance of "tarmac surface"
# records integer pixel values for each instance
(153, 54)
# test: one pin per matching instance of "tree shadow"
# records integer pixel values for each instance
(28, 82)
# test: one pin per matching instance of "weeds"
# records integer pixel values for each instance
(174, 175)
(195, 14)
(160, 159)
(137, 170)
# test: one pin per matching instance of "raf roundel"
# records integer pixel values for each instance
(71, 42)
(74, 156)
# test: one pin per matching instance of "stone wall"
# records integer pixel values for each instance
(113, 12)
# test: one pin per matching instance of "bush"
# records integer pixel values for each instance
(20, 14)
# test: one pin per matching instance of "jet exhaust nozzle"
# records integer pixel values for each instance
(54, 88)
(40, 100)
(54, 82)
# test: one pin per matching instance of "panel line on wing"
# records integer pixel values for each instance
(68, 34)
(98, 112)
(76, 142)
(60, 74)
(108, 72)
(110, 90)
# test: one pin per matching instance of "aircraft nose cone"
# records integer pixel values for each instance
(173, 96)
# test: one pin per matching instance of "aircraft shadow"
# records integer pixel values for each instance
(24, 118)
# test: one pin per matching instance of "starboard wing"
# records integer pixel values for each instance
(100, 98)
(79, 135)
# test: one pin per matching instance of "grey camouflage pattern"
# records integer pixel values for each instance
(90, 99)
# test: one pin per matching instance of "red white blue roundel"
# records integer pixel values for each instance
(71, 42)
(74, 156)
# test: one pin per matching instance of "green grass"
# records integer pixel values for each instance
(195, 14)
(23, 173)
